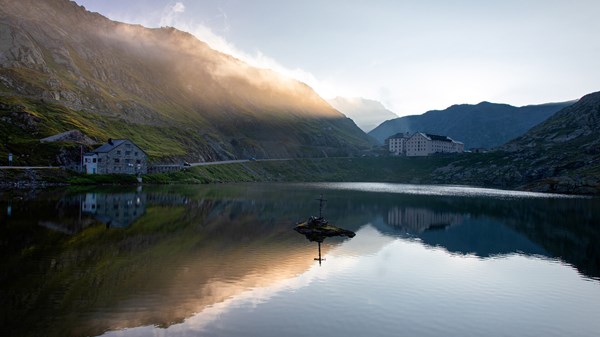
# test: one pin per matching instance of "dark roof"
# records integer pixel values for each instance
(110, 146)
(398, 135)
(438, 138)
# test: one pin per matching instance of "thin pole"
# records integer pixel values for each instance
(319, 253)
(321, 206)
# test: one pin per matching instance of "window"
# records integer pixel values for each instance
(99, 160)
(127, 153)
(118, 152)
(94, 160)
(135, 153)
(116, 160)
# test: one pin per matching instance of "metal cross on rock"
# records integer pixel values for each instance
(321, 206)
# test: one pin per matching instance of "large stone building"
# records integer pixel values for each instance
(397, 143)
(118, 156)
(423, 144)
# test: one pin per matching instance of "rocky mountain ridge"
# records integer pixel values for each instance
(561, 154)
(163, 88)
(484, 125)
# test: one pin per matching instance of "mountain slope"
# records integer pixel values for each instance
(366, 113)
(484, 125)
(560, 155)
(156, 86)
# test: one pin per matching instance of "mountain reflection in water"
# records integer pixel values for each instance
(86, 263)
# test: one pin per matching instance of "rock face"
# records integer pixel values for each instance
(560, 155)
(485, 125)
(74, 136)
(207, 103)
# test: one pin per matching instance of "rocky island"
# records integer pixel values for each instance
(317, 229)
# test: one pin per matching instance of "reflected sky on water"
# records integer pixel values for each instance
(223, 260)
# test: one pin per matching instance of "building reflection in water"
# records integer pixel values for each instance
(419, 220)
(116, 210)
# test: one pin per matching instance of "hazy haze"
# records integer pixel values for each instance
(413, 56)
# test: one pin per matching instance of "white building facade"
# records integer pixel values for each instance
(90, 163)
(397, 143)
(423, 144)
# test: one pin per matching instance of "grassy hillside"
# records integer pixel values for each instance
(163, 88)
(381, 169)
(26, 120)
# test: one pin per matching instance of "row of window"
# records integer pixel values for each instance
(115, 206)
(117, 160)
(137, 161)
(127, 153)
(129, 168)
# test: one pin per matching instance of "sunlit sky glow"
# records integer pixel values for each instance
(412, 56)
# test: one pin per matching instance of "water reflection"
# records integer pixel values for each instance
(317, 229)
(175, 251)
(419, 220)
(118, 210)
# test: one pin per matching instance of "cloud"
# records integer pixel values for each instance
(257, 58)
(170, 13)
(179, 8)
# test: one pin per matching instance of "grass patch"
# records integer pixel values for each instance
(386, 169)
(103, 179)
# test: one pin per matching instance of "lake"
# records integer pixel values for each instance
(224, 260)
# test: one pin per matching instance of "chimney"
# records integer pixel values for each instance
(110, 141)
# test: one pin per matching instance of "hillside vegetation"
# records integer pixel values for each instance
(63, 68)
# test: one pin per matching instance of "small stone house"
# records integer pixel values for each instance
(118, 156)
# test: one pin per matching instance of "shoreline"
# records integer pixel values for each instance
(423, 171)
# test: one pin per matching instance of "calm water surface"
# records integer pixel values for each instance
(223, 260)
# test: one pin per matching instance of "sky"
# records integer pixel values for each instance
(412, 56)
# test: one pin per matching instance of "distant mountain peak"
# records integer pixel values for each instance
(366, 113)
(484, 125)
